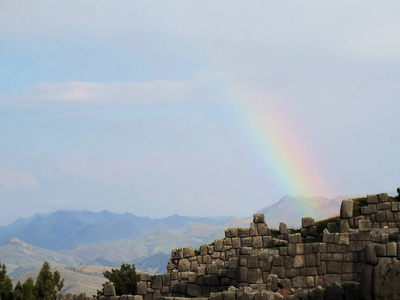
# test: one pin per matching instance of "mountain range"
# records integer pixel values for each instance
(72, 239)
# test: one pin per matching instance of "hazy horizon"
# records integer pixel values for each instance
(195, 108)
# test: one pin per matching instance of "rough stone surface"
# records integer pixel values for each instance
(386, 278)
(259, 218)
(109, 289)
(307, 222)
(346, 209)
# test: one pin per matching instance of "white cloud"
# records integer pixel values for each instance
(117, 93)
(12, 179)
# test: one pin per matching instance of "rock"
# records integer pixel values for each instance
(193, 290)
(283, 228)
(176, 253)
(372, 199)
(184, 265)
(386, 278)
(258, 218)
(109, 289)
(352, 290)
(254, 276)
(188, 252)
(228, 295)
(316, 293)
(344, 225)
(364, 225)
(68, 296)
(142, 288)
(370, 254)
(346, 209)
(383, 197)
(334, 292)
(272, 283)
(307, 222)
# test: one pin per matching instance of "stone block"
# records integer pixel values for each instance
(188, 252)
(184, 265)
(109, 289)
(344, 225)
(253, 231)
(337, 256)
(254, 276)
(156, 282)
(380, 250)
(310, 260)
(272, 283)
(292, 272)
(307, 222)
(227, 295)
(247, 242)
(295, 238)
(329, 279)
(194, 266)
(344, 238)
(257, 242)
(334, 291)
(299, 261)
(391, 249)
(236, 243)
(267, 241)
(193, 290)
(243, 271)
(348, 268)
(252, 261)
(352, 290)
(262, 229)
(243, 232)
(313, 231)
(369, 209)
(233, 263)
(177, 253)
(316, 293)
(381, 216)
(207, 259)
(258, 218)
(383, 197)
(372, 199)
(364, 225)
(299, 282)
(334, 267)
(299, 249)
(346, 209)
(384, 206)
(304, 232)
(322, 269)
(231, 232)
(263, 255)
(332, 227)
(370, 254)
(278, 260)
(283, 228)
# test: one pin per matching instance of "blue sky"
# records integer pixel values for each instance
(128, 106)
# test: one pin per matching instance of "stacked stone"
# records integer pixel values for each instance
(308, 230)
(381, 212)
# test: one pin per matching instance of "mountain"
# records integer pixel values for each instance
(74, 282)
(67, 229)
(290, 209)
(21, 257)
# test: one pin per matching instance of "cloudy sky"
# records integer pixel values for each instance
(195, 107)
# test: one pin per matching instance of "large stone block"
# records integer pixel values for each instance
(344, 225)
(254, 276)
(364, 225)
(329, 279)
(334, 291)
(109, 289)
(193, 290)
(386, 278)
(295, 238)
(372, 199)
(258, 218)
(370, 254)
(262, 229)
(243, 271)
(257, 242)
(299, 282)
(188, 252)
(253, 231)
(307, 222)
(299, 261)
(243, 232)
(177, 253)
(184, 265)
(156, 282)
(346, 209)
(383, 197)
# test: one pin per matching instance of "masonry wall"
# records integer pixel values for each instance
(352, 249)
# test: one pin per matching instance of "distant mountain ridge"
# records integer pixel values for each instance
(65, 229)
(290, 209)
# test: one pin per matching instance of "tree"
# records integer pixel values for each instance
(18, 295)
(125, 279)
(48, 284)
(6, 288)
(28, 289)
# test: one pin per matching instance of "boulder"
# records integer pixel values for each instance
(346, 209)
(386, 278)
(307, 222)
(109, 289)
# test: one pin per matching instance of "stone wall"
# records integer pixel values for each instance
(351, 250)
(357, 256)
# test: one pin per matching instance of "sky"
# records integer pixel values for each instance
(199, 108)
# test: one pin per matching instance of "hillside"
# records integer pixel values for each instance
(21, 257)
(67, 229)
(74, 282)
(290, 209)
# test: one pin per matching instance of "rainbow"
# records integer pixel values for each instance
(282, 151)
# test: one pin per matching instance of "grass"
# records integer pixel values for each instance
(274, 233)
(322, 224)
(357, 204)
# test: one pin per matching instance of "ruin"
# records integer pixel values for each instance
(353, 256)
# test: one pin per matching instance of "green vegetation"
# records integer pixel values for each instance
(274, 233)
(394, 199)
(357, 204)
(322, 224)
(125, 280)
(47, 287)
